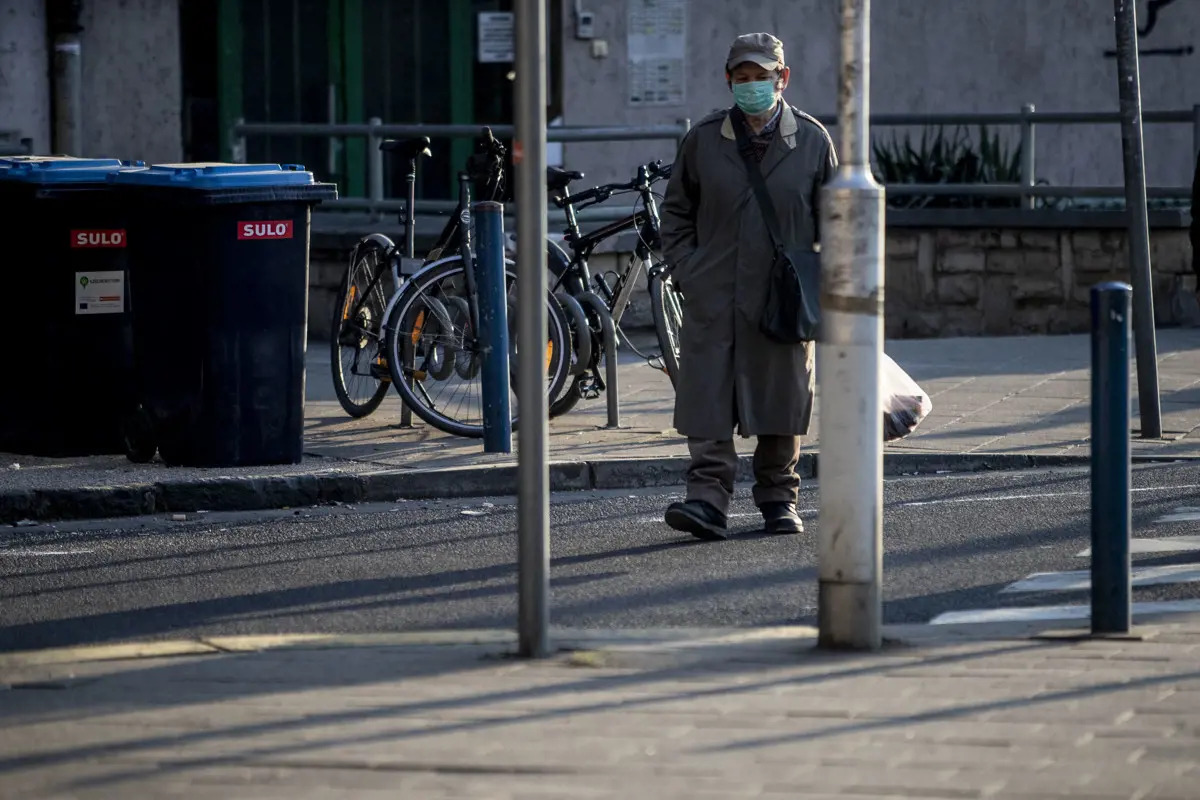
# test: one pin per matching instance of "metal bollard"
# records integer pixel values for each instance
(1111, 471)
(1028, 154)
(493, 326)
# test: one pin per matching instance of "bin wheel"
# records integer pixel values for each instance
(137, 430)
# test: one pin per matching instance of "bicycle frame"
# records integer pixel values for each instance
(646, 222)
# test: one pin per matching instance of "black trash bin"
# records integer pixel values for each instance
(66, 364)
(219, 292)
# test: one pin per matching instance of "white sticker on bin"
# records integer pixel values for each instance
(100, 292)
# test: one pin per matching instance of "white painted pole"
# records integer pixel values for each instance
(533, 471)
(849, 605)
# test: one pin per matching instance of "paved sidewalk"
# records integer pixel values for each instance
(941, 713)
(1000, 396)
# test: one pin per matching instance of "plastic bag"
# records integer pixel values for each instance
(904, 403)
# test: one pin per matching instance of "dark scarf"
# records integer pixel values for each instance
(759, 142)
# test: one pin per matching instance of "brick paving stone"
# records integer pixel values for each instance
(948, 719)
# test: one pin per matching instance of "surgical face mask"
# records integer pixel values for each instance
(756, 97)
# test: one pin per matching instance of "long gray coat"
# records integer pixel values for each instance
(714, 235)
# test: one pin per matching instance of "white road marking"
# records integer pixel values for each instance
(34, 553)
(1038, 496)
(1082, 579)
(1040, 613)
(1171, 544)
(1180, 515)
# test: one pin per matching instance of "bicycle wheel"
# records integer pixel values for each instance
(666, 306)
(427, 327)
(360, 377)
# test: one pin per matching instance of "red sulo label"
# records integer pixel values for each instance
(98, 238)
(269, 229)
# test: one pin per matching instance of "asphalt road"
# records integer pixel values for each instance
(952, 542)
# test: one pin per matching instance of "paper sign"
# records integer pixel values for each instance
(657, 44)
(100, 292)
(495, 45)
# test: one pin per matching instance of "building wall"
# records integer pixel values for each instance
(931, 56)
(131, 77)
(24, 71)
(132, 85)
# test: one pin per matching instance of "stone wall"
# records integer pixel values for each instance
(944, 281)
(970, 282)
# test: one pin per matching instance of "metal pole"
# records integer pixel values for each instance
(493, 326)
(1130, 90)
(1111, 513)
(1028, 154)
(68, 95)
(533, 473)
(849, 605)
(1196, 131)
(374, 167)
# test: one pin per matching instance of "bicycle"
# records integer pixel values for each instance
(361, 315)
(573, 280)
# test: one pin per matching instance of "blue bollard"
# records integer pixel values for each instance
(1111, 471)
(493, 326)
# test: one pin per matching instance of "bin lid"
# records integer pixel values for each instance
(206, 176)
(60, 170)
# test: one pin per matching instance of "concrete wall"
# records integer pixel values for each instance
(942, 279)
(932, 56)
(131, 77)
(24, 71)
(1002, 282)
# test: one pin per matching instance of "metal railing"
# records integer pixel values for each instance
(1027, 120)
(375, 131)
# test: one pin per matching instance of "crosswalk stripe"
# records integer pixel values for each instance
(1078, 580)
(1069, 612)
(1171, 544)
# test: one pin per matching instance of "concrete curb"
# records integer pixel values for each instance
(791, 640)
(256, 493)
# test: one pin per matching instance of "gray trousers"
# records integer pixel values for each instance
(713, 470)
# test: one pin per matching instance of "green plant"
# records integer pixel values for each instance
(942, 159)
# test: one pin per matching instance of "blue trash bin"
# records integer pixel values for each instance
(64, 312)
(219, 288)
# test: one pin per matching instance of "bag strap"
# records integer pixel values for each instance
(756, 180)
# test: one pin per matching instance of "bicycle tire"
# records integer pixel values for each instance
(364, 251)
(666, 306)
(397, 337)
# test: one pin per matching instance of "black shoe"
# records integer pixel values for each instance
(698, 518)
(781, 518)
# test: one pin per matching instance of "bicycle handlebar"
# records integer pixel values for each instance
(654, 172)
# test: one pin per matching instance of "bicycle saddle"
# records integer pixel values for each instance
(407, 148)
(558, 179)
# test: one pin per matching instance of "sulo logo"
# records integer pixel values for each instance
(270, 229)
(98, 239)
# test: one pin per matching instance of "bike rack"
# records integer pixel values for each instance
(609, 328)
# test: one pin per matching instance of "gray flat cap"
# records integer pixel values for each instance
(761, 48)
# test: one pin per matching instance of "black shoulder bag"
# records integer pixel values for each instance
(792, 311)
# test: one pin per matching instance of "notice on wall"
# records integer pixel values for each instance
(495, 43)
(100, 292)
(657, 45)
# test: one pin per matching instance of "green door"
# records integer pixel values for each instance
(320, 61)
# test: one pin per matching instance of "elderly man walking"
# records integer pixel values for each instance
(714, 232)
